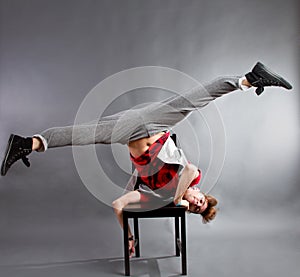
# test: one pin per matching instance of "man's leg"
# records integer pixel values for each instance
(161, 116)
(139, 123)
(136, 124)
(128, 125)
(164, 115)
(118, 128)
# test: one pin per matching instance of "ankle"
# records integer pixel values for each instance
(36, 143)
(245, 82)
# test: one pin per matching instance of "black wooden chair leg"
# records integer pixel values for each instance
(183, 246)
(136, 236)
(126, 241)
(177, 240)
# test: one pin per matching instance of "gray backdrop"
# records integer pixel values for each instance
(52, 53)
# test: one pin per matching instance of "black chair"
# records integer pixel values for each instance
(144, 210)
(137, 211)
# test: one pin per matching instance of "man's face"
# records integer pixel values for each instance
(197, 200)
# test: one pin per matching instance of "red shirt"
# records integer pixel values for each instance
(156, 174)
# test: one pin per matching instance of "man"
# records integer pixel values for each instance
(141, 128)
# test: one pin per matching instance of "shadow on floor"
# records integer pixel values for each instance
(94, 267)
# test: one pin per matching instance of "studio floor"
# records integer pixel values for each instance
(245, 248)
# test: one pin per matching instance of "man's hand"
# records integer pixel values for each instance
(185, 203)
(131, 248)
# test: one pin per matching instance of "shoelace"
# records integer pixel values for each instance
(266, 82)
(261, 83)
(20, 155)
(271, 82)
(26, 161)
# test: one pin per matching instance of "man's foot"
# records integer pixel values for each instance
(261, 77)
(17, 148)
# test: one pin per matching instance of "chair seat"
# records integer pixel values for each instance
(144, 210)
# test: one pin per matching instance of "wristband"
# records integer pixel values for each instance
(178, 204)
(130, 238)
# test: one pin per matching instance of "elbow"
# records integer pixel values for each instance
(115, 204)
(191, 170)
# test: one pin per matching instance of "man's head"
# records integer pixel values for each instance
(201, 203)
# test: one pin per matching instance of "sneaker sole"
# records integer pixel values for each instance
(8, 147)
(285, 83)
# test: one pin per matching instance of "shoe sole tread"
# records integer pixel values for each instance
(7, 151)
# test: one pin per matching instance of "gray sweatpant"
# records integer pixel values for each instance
(134, 124)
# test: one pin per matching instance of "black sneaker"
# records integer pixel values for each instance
(17, 148)
(261, 76)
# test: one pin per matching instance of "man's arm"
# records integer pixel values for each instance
(119, 204)
(189, 173)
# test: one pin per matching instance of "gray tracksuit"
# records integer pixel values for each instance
(134, 124)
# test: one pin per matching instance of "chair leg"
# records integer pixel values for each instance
(126, 241)
(137, 236)
(183, 245)
(177, 240)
